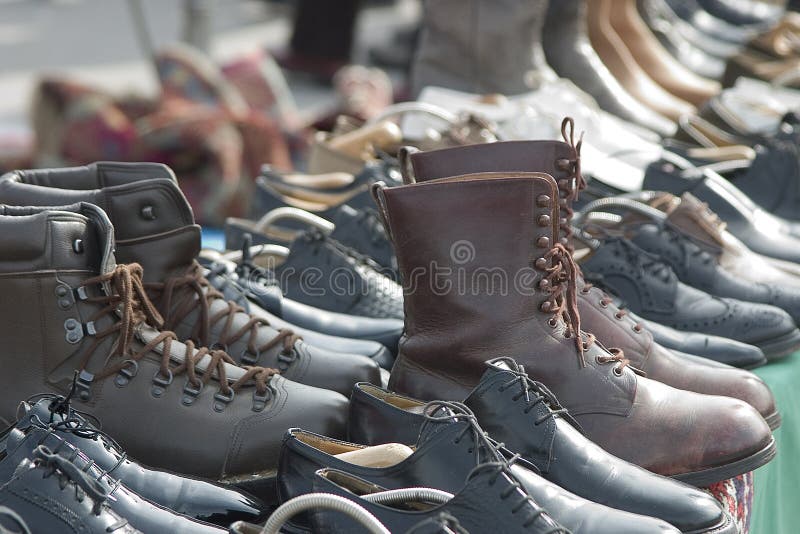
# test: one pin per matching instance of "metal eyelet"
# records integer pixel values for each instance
(160, 383)
(130, 368)
(260, 401)
(221, 400)
(285, 360)
(553, 322)
(248, 358)
(190, 393)
(603, 304)
(637, 328)
(617, 371)
(618, 316)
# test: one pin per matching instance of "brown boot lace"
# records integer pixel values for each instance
(129, 300)
(199, 294)
(569, 189)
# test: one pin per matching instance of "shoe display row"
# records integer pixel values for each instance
(460, 314)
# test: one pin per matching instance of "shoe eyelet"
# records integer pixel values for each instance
(553, 322)
(617, 316)
(190, 393)
(130, 368)
(260, 401)
(585, 345)
(160, 383)
(617, 371)
(637, 328)
(585, 290)
(603, 304)
(249, 358)
(221, 400)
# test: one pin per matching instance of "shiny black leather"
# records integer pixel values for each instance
(49, 496)
(715, 348)
(705, 22)
(569, 53)
(762, 232)
(649, 288)
(323, 273)
(187, 496)
(520, 413)
(491, 500)
(697, 268)
(349, 334)
(142, 514)
(447, 450)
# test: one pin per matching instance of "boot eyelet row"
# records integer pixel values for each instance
(221, 400)
(160, 383)
(130, 368)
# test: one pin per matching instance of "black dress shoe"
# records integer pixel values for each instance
(527, 418)
(570, 54)
(759, 230)
(46, 493)
(491, 499)
(713, 348)
(359, 229)
(450, 444)
(648, 286)
(350, 334)
(322, 272)
(100, 463)
(705, 22)
(52, 417)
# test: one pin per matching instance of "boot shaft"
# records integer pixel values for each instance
(153, 221)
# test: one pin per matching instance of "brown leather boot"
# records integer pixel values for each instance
(612, 326)
(483, 277)
(155, 227)
(69, 308)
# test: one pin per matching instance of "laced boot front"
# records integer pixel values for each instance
(84, 322)
(155, 228)
(483, 277)
(599, 315)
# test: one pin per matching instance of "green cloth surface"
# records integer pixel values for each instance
(776, 503)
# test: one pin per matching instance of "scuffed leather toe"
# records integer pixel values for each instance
(332, 370)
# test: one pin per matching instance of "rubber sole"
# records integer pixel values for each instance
(706, 477)
(780, 347)
(774, 420)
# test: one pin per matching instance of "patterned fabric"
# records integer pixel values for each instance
(736, 495)
(200, 126)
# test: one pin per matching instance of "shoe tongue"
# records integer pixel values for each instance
(444, 416)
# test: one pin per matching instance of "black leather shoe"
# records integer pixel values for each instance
(649, 228)
(527, 418)
(648, 286)
(349, 334)
(359, 229)
(53, 421)
(760, 231)
(323, 273)
(706, 23)
(491, 500)
(450, 444)
(100, 464)
(742, 12)
(47, 493)
(713, 348)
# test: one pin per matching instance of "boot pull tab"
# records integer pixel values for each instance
(406, 169)
(377, 192)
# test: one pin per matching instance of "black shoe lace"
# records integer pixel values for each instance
(70, 475)
(534, 393)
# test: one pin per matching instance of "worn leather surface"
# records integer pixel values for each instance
(520, 417)
(611, 48)
(19, 444)
(487, 501)
(443, 462)
(449, 334)
(197, 439)
(188, 496)
(605, 321)
(571, 55)
(43, 506)
(154, 227)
